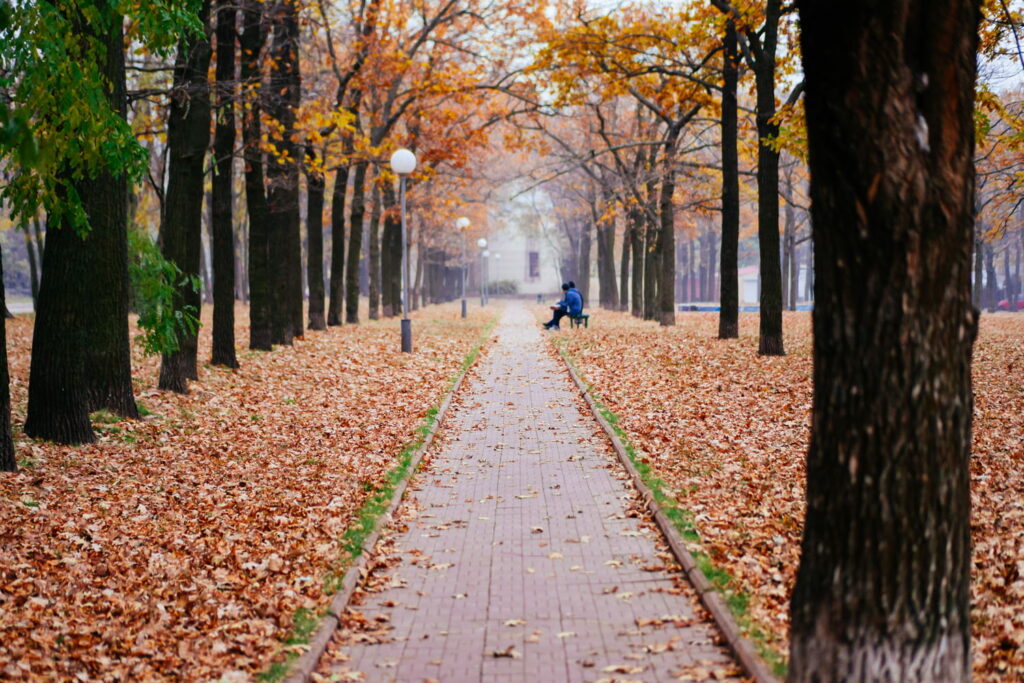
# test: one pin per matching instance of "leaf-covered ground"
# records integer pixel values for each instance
(181, 546)
(728, 430)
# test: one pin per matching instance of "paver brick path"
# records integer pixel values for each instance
(522, 553)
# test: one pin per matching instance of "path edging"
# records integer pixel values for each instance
(301, 669)
(754, 666)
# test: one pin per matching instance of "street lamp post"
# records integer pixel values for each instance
(482, 243)
(403, 162)
(463, 224)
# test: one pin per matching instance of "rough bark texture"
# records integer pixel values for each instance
(107, 353)
(728, 318)
(652, 254)
(768, 188)
(882, 591)
(337, 281)
(251, 41)
(666, 305)
(8, 463)
(373, 255)
(222, 218)
(188, 136)
(315, 188)
(355, 243)
(283, 178)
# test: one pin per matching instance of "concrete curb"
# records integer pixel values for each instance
(302, 668)
(712, 599)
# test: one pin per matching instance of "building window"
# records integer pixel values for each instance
(534, 265)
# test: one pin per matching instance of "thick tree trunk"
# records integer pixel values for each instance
(315, 189)
(58, 406)
(768, 189)
(665, 312)
(283, 178)
(188, 136)
(222, 221)
(728, 318)
(882, 591)
(337, 283)
(251, 41)
(373, 254)
(355, 243)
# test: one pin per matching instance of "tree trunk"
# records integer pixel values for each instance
(33, 266)
(58, 404)
(283, 178)
(583, 274)
(627, 246)
(222, 217)
(991, 285)
(728, 317)
(607, 287)
(355, 243)
(666, 302)
(188, 136)
(373, 256)
(251, 41)
(787, 254)
(768, 189)
(391, 254)
(8, 463)
(882, 591)
(337, 283)
(637, 240)
(315, 189)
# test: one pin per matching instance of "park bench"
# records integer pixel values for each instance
(581, 319)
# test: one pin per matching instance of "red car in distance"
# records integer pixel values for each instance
(1004, 305)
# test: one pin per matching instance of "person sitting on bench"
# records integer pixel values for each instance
(571, 305)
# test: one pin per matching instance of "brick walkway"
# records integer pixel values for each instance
(520, 554)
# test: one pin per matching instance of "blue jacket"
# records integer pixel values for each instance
(573, 302)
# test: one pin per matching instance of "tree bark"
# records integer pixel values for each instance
(771, 343)
(991, 286)
(283, 178)
(627, 242)
(33, 265)
(188, 136)
(728, 317)
(637, 242)
(583, 274)
(373, 254)
(391, 253)
(251, 41)
(315, 189)
(355, 243)
(222, 222)
(882, 591)
(8, 463)
(337, 282)
(666, 301)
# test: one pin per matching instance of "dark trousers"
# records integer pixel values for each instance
(560, 313)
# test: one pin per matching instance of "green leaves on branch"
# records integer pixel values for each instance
(156, 284)
(60, 118)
